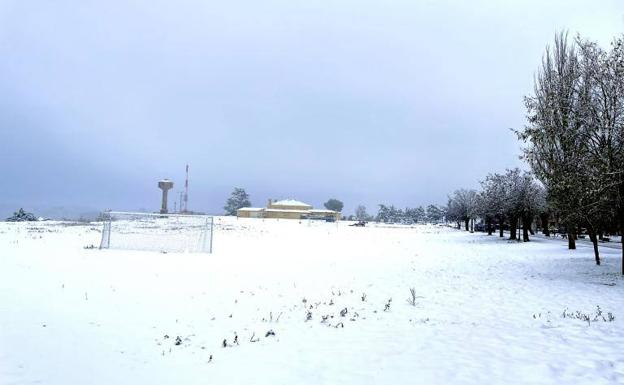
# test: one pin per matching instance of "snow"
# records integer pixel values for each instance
(487, 310)
(287, 211)
(290, 202)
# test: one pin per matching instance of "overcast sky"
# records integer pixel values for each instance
(397, 102)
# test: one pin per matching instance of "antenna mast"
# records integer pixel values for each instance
(186, 190)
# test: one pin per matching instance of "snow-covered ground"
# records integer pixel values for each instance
(487, 310)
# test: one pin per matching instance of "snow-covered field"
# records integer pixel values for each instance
(487, 310)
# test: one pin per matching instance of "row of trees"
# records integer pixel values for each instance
(575, 136)
(514, 199)
(518, 201)
(391, 214)
(574, 144)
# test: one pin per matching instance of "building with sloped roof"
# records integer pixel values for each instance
(288, 209)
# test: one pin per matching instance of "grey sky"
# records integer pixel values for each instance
(389, 101)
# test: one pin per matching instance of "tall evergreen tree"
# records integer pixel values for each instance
(237, 200)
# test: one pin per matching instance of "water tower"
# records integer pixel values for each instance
(165, 185)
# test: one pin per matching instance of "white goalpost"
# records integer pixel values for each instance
(166, 233)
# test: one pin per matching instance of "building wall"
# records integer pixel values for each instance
(286, 212)
(282, 214)
(335, 214)
(250, 214)
(242, 214)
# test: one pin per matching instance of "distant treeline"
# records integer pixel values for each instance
(391, 214)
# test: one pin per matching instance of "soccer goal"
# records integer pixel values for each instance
(167, 233)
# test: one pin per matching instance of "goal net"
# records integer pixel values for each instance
(167, 233)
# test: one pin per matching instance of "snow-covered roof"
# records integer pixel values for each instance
(323, 211)
(290, 202)
(287, 211)
(251, 209)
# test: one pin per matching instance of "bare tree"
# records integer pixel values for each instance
(361, 214)
(554, 142)
(602, 97)
(575, 135)
(493, 199)
(463, 206)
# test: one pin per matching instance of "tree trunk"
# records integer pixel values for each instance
(513, 223)
(594, 239)
(488, 224)
(466, 223)
(571, 238)
(544, 219)
(621, 215)
(501, 224)
(526, 223)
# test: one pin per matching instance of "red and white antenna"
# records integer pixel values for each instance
(186, 190)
